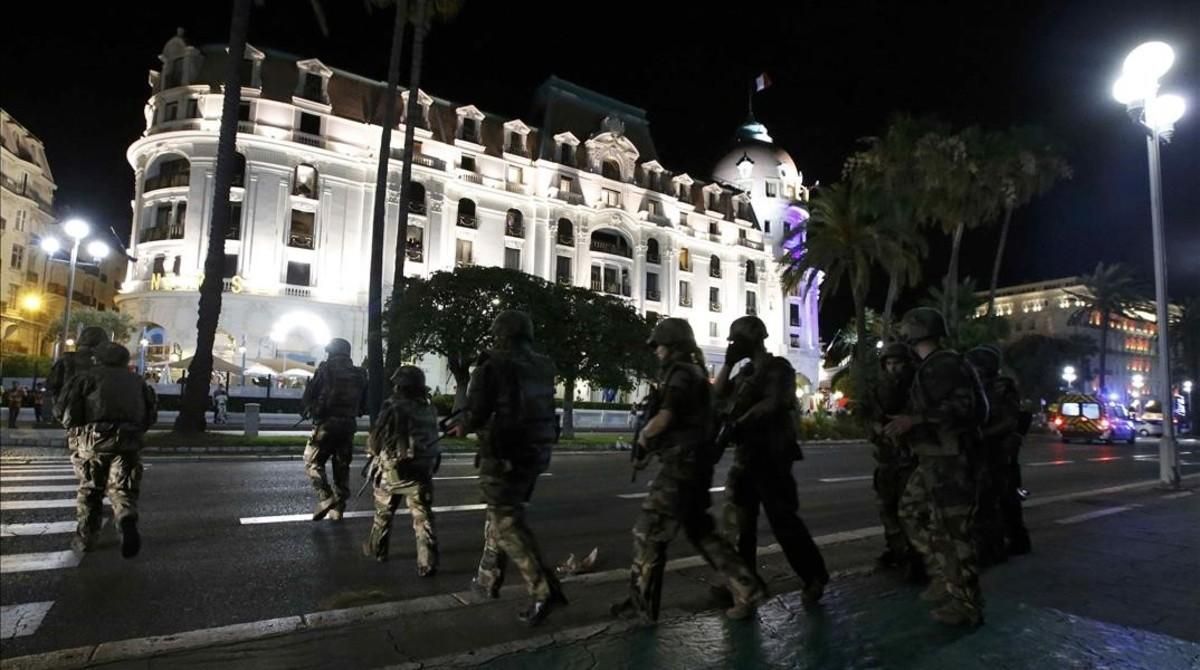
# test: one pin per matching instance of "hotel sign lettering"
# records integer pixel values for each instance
(162, 282)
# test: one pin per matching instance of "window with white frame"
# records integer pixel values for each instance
(17, 261)
(611, 198)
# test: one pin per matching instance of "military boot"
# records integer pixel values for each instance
(744, 607)
(1019, 545)
(954, 613)
(370, 550)
(540, 609)
(83, 542)
(935, 592)
(131, 540)
(324, 507)
(813, 590)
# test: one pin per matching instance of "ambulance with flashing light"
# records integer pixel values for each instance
(1079, 416)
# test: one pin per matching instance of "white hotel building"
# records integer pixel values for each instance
(573, 193)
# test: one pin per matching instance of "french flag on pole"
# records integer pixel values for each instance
(761, 82)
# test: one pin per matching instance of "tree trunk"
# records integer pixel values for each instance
(195, 393)
(861, 357)
(1104, 321)
(412, 112)
(375, 385)
(889, 303)
(951, 292)
(462, 379)
(568, 408)
(991, 303)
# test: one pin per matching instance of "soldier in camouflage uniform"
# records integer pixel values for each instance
(894, 460)
(109, 409)
(510, 405)
(403, 445)
(334, 398)
(1001, 527)
(67, 367)
(757, 403)
(942, 422)
(680, 433)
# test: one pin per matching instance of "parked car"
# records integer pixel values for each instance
(1084, 417)
(1153, 427)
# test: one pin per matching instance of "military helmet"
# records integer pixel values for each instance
(895, 349)
(93, 336)
(749, 328)
(513, 324)
(986, 359)
(408, 376)
(672, 332)
(111, 354)
(923, 323)
(338, 347)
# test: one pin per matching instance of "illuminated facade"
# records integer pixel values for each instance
(575, 195)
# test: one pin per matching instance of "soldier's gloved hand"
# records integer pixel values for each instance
(899, 425)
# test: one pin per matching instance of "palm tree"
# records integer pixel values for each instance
(195, 393)
(1029, 167)
(841, 242)
(375, 374)
(1110, 290)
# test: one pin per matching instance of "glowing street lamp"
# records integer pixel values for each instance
(77, 230)
(31, 302)
(1068, 375)
(1137, 89)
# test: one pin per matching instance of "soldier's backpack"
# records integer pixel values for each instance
(343, 391)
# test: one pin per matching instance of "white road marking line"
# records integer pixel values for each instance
(47, 560)
(22, 620)
(1096, 514)
(467, 477)
(1173, 496)
(356, 514)
(35, 529)
(646, 494)
(1145, 457)
(11, 505)
(1105, 459)
(49, 488)
(38, 470)
(1042, 463)
(35, 478)
(835, 480)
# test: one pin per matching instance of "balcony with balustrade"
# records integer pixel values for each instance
(468, 221)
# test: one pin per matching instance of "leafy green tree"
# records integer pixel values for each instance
(24, 365)
(1110, 290)
(118, 326)
(1028, 166)
(1036, 361)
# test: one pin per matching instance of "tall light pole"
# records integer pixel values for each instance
(77, 230)
(1137, 89)
(1187, 389)
(1068, 376)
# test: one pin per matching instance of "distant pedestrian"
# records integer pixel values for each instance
(16, 398)
(220, 405)
(39, 396)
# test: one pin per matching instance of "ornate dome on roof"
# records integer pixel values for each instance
(754, 157)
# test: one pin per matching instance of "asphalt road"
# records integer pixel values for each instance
(203, 565)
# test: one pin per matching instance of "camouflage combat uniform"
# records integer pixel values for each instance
(678, 498)
(760, 401)
(403, 443)
(334, 399)
(510, 405)
(66, 368)
(894, 460)
(110, 408)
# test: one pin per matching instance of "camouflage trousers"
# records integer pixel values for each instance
(119, 475)
(396, 486)
(769, 485)
(506, 487)
(332, 438)
(889, 483)
(674, 504)
(938, 511)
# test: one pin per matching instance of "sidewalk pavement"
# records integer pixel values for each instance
(1112, 587)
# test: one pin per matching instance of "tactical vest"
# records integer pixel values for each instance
(408, 434)
(72, 364)
(342, 388)
(524, 410)
(963, 389)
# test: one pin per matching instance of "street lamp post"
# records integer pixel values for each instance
(1068, 375)
(1137, 89)
(76, 229)
(242, 351)
(1187, 390)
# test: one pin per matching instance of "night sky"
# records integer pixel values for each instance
(75, 74)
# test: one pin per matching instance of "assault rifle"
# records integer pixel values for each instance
(643, 410)
(370, 469)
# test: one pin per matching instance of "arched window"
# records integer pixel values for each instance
(685, 260)
(714, 266)
(652, 255)
(466, 213)
(611, 169)
(513, 223)
(304, 181)
(565, 232)
(168, 171)
(608, 241)
(751, 272)
(239, 169)
(416, 197)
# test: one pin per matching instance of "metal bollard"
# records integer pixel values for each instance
(251, 419)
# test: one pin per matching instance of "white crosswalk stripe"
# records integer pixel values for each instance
(36, 478)
(21, 620)
(36, 529)
(355, 514)
(40, 560)
(13, 505)
(48, 488)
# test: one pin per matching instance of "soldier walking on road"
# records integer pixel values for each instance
(894, 460)
(72, 363)
(680, 433)
(1001, 527)
(109, 409)
(758, 401)
(403, 446)
(942, 422)
(510, 405)
(334, 399)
